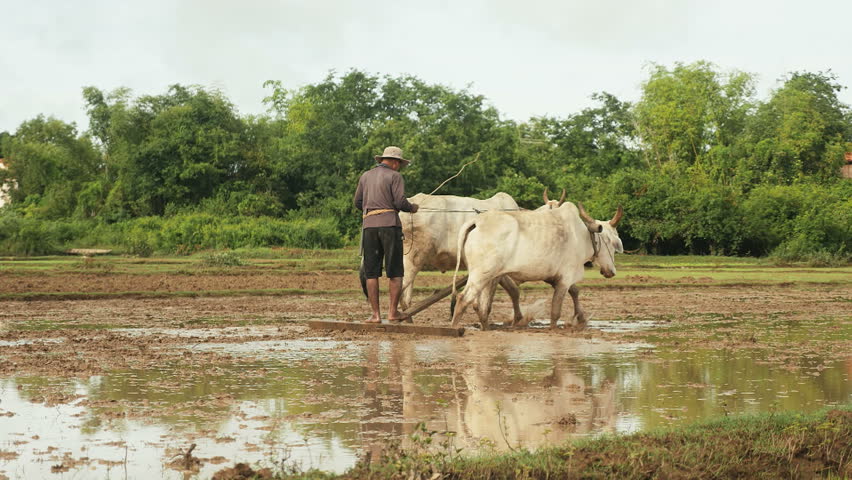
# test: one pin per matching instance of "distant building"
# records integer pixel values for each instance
(846, 170)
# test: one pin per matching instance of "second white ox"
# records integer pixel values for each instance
(431, 235)
(550, 245)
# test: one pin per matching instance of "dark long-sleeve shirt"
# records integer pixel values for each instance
(381, 188)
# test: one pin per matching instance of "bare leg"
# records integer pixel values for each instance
(579, 313)
(395, 286)
(515, 294)
(373, 295)
(556, 307)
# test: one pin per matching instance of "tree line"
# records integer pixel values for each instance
(700, 164)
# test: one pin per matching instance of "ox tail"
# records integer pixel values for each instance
(465, 230)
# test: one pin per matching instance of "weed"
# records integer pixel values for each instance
(225, 258)
(93, 265)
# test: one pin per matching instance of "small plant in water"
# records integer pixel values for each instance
(504, 427)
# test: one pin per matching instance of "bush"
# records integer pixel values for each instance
(672, 211)
(31, 236)
(138, 242)
(185, 234)
(821, 231)
(23, 236)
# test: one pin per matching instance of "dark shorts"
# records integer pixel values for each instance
(383, 243)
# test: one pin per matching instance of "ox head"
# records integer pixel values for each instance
(550, 204)
(605, 240)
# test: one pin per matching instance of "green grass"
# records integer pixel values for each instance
(788, 445)
(635, 271)
(256, 260)
(162, 294)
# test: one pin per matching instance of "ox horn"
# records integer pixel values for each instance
(617, 218)
(561, 199)
(544, 197)
(588, 220)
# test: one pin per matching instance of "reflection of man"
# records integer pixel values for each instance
(381, 195)
(387, 390)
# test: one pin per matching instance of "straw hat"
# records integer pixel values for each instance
(392, 152)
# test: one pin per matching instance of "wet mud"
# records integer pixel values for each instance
(127, 386)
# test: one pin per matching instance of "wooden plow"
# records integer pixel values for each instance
(408, 326)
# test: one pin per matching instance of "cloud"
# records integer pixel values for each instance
(529, 58)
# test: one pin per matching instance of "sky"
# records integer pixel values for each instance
(527, 57)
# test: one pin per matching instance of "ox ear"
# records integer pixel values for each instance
(561, 199)
(590, 222)
(617, 218)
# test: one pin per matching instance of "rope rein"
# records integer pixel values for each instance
(596, 246)
(411, 218)
(472, 210)
(456, 175)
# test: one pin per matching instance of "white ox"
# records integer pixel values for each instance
(431, 235)
(551, 245)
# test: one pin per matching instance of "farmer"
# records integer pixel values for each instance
(381, 195)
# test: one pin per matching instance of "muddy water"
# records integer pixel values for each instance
(323, 402)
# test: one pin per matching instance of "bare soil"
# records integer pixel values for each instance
(80, 338)
(77, 338)
(225, 281)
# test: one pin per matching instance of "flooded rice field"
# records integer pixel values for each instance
(123, 388)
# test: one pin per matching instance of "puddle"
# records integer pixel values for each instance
(611, 326)
(623, 326)
(201, 333)
(16, 343)
(322, 403)
(48, 438)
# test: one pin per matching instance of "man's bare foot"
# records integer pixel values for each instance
(399, 318)
(373, 320)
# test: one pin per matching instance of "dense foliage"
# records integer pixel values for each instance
(700, 165)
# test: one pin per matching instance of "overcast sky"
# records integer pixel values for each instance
(528, 57)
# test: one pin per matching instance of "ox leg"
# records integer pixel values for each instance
(472, 294)
(579, 313)
(515, 294)
(483, 307)
(559, 291)
(461, 305)
(411, 271)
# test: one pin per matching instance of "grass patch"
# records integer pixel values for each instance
(757, 446)
(158, 294)
(225, 258)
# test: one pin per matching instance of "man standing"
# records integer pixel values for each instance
(381, 196)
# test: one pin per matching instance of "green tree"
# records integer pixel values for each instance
(47, 164)
(688, 110)
(5, 138)
(165, 151)
(801, 131)
(595, 142)
(330, 132)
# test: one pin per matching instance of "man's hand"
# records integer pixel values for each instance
(414, 208)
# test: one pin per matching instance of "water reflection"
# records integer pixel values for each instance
(322, 403)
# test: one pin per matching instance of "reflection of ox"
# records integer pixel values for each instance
(550, 245)
(431, 233)
(543, 397)
(537, 405)
(529, 414)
